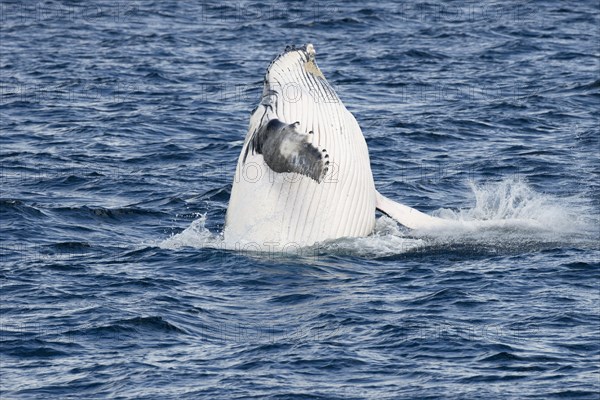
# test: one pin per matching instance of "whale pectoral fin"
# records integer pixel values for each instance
(405, 215)
(285, 149)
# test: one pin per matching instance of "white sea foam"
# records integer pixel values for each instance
(512, 210)
(195, 235)
(506, 215)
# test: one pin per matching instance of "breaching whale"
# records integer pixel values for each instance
(303, 175)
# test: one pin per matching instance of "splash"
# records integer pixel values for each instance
(387, 239)
(507, 216)
(513, 200)
(196, 235)
(511, 207)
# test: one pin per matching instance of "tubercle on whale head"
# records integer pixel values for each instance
(310, 50)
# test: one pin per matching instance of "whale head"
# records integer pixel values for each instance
(294, 73)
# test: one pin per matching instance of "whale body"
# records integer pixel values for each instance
(303, 175)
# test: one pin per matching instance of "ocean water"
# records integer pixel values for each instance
(121, 124)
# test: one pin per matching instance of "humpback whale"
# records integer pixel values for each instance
(303, 175)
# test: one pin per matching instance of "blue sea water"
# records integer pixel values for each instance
(121, 123)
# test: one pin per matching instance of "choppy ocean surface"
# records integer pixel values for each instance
(121, 124)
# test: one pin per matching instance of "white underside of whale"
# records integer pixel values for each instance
(274, 209)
